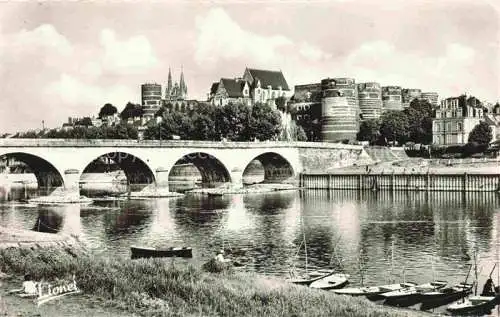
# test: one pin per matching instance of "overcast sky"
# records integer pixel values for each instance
(63, 59)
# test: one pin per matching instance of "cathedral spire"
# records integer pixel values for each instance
(168, 91)
(182, 84)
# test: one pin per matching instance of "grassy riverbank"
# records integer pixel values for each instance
(156, 287)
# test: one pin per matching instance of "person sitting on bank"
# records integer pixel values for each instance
(29, 286)
(220, 257)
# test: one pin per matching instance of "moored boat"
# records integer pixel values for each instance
(332, 281)
(476, 304)
(311, 277)
(372, 292)
(410, 295)
(443, 296)
(148, 252)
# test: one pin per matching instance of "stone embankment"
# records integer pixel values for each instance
(17, 238)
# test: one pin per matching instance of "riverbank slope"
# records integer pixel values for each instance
(165, 288)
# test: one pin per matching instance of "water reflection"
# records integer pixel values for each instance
(48, 221)
(426, 229)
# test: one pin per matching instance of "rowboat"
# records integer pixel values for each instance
(311, 277)
(333, 281)
(411, 295)
(474, 304)
(442, 296)
(148, 252)
(372, 292)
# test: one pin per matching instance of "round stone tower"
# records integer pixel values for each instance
(339, 109)
(392, 98)
(370, 100)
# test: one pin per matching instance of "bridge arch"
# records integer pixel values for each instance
(136, 170)
(211, 168)
(46, 174)
(276, 167)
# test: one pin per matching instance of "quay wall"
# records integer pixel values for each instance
(403, 182)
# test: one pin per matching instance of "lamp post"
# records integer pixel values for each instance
(159, 119)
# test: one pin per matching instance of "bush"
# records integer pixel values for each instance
(452, 149)
(472, 148)
(214, 266)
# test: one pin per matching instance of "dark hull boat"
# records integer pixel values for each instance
(411, 295)
(146, 252)
(444, 296)
(474, 304)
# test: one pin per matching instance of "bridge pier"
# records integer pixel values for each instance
(236, 177)
(72, 184)
(161, 182)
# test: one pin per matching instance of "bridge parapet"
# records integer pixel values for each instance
(168, 144)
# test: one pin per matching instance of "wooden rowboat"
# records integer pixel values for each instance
(148, 252)
(474, 304)
(333, 281)
(443, 296)
(307, 279)
(372, 292)
(411, 295)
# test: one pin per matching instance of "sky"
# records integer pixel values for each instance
(61, 59)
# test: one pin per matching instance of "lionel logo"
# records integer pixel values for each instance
(48, 292)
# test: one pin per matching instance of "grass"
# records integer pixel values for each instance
(153, 287)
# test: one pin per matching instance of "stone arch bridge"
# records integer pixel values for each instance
(62, 161)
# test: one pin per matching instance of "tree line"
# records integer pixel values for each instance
(233, 122)
(411, 124)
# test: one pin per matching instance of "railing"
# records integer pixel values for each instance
(169, 143)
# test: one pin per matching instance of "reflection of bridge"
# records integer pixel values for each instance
(61, 162)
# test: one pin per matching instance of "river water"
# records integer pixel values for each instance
(376, 237)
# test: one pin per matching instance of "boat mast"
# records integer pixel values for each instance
(305, 242)
(392, 263)
(475, 271)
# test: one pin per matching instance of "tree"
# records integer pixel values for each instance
(481, 133)
(419, 115)
(369, 131)
(204, 127)
(265, 122)
(310, 121)
(300, 134)
(233, 121)
(87, 122)
(394, 126)
(281, 104)
(131, 111)
(107, 110)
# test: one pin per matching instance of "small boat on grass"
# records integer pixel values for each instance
(310, 277)
(148, 252)
(332, 281)
(411, 295)
(478, 304)
(474, 304)
(443, 296)
(373, 292)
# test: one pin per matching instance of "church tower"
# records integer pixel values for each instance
(168, 90)
(182, 86)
